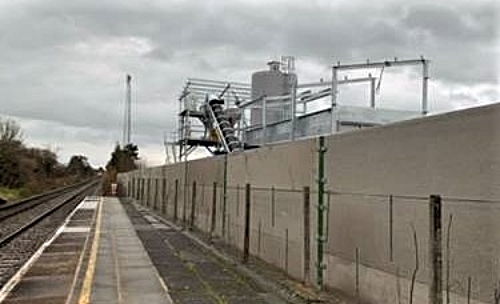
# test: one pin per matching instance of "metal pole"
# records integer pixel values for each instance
(129, 108)
(126, 118)
(264, 121)
(294, 108)
(425, 80)
(372, 91)
(321, 208)
(333, 120)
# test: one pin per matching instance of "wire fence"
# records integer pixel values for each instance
(399, 237)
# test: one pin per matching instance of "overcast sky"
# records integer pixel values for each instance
(63, 63)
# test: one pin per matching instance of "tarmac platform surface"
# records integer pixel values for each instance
(114, 252)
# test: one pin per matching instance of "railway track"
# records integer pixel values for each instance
(31, 202)
(25, 226)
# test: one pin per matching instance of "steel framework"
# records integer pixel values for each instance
(192, 131)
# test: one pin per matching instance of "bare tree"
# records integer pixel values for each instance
(10, 146)
(10, 131)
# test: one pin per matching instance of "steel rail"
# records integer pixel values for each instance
(41, 196)
(11, 236)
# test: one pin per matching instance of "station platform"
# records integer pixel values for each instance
(116, 252)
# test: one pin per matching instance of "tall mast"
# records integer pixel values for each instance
(128, 112)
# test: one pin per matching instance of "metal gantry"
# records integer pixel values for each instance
(381, 64)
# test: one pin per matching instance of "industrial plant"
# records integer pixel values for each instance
(227, 116)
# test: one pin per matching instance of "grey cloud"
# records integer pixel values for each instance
(447, 22)
(443, 22)
(162, 54)
(307, 31)
(48, 79)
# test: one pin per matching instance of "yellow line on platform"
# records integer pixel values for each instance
(114, 254)
(89, 274)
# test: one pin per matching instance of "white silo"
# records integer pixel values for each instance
(270, 83)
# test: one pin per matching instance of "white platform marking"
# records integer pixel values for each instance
(88, 205)
(76, 229)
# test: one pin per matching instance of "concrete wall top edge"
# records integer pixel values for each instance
(475, 111)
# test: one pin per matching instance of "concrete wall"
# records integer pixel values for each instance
(372, 173)
(455, 155)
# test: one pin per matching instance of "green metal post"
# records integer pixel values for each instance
(321, 208)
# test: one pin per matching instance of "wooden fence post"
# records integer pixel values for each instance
(157, 190)
(176, 198)
(164, 199)
(307, 234)
(193, 206)
(214, 210)
(435, 251)
(246, 238)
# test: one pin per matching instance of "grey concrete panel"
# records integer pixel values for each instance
(281, 165)
(289, 213)
(271, 249)
(474, 246)
(295, 263)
